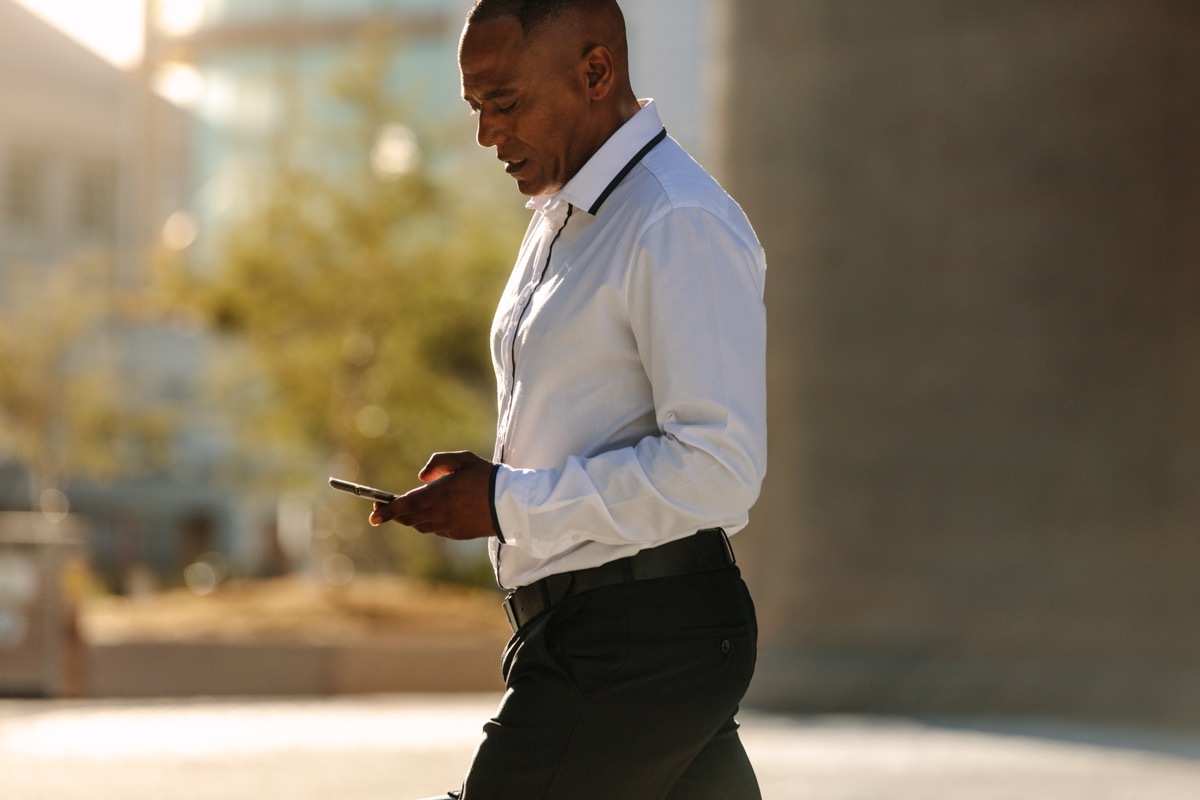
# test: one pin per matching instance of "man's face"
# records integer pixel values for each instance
(531, 101)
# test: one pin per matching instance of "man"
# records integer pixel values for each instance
(629, 352)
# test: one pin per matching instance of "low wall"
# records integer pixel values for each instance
(176, 669)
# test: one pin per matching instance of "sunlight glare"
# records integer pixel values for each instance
(180, 17)
(113, 733)
(182, 84)
(112, 29)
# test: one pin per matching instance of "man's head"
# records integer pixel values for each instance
(549, 80)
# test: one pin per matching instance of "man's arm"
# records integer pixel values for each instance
(696, 312)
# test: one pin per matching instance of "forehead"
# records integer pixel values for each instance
(492, 55)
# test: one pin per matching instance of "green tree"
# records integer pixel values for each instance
(362, 284)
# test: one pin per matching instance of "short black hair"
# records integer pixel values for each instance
(532, 14)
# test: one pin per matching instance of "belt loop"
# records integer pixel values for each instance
(728, 546)
(627, 570)
(510, 611)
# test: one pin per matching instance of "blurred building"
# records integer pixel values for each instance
(983, 228)
(66, 164)
(257, 76)
(91, 169)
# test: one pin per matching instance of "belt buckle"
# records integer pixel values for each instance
(510, 612)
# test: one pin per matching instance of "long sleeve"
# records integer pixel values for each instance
(630, 348)
(694, 303)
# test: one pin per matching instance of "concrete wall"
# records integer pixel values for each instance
(447, 663)
(983, 228)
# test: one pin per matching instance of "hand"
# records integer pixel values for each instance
(455, 503)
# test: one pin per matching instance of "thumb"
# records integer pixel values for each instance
(442, 464)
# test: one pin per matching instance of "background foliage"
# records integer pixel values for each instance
(360, 295)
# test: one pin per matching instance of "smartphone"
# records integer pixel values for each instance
(363, 491)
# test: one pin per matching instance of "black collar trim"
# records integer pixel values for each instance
(633, 162)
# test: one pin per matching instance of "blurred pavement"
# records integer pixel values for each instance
(411, 746)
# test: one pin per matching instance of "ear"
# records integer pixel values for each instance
(598, 71)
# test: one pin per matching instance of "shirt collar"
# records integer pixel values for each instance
(590, 186)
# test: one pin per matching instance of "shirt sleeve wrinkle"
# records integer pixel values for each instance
(705, 304)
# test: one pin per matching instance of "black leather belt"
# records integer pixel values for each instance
(705, 551)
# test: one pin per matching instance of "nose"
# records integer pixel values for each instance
(488, 132)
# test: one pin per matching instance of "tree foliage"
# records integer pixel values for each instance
(363, 294)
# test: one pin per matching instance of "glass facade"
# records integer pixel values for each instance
(264, 74)
(257, 75)
(222, 12)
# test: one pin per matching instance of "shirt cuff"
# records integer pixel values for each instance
(511, 499)
(492, 504)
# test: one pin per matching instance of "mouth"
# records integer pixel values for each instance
(513, 167)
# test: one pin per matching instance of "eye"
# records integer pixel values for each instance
(506, 109)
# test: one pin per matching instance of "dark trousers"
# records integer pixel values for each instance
(626, 693)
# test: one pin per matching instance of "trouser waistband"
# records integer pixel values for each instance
(704, 551)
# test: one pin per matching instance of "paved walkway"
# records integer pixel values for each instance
(411, 746)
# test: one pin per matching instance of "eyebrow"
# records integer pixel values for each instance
(495, 94)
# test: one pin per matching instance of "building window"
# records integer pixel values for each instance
(95, 200)
(25, 190)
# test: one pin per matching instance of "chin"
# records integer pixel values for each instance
(535, 186)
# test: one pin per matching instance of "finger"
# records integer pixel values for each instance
(423, 509)
(442, 464)
(380, 513)
(383, 512)
(423, 520)
(410, 519)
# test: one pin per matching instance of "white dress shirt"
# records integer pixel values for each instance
(629, 348)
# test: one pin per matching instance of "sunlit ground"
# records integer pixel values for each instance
(231, 730)
(412, 746)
